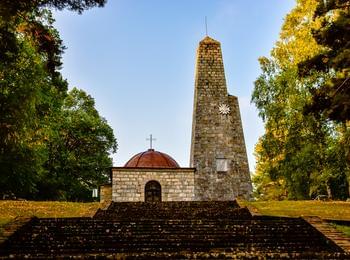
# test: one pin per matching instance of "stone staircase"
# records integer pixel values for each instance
(10, 228)
(171, 230)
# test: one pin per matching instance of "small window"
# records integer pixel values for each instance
(221, 165)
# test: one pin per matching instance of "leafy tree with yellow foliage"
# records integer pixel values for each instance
(299, 156)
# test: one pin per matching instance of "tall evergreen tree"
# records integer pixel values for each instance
(331, 97)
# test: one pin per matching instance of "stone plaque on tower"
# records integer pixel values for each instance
(218, 149)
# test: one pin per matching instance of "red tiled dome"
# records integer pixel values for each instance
(152, 159)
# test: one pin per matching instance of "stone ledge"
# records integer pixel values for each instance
(330, 232)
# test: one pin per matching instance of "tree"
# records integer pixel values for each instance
(33, 100)
(298, 151)
(267, 186)
(30, 94)
(79, 155)
(12, 8)
(331, 97)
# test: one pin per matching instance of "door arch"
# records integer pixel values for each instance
(153, 192)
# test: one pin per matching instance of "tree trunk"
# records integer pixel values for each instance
(329, 191)
(347, 151)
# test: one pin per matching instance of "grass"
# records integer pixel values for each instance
(323, 209)
(344, 229)
(9, 210)
(338, 210)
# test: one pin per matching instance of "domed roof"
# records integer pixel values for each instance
(152, 159)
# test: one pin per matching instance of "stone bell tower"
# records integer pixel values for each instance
(218, 149)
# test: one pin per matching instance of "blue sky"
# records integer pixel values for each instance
(137, 59)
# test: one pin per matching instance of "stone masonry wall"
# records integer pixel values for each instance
(217, 135)
(129, 183)
(105, 193)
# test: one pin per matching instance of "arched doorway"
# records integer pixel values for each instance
(153, 192)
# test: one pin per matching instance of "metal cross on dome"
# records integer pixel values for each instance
(151, 139)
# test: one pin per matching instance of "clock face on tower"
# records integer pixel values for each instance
(224, 109)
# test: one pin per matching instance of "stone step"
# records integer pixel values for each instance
(177, 209)
(10, 228)
(220, 253)
(84, 234)
(156, 246)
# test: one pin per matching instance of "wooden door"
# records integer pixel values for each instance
(153, 192)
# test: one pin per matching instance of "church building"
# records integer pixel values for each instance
(218, 162)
